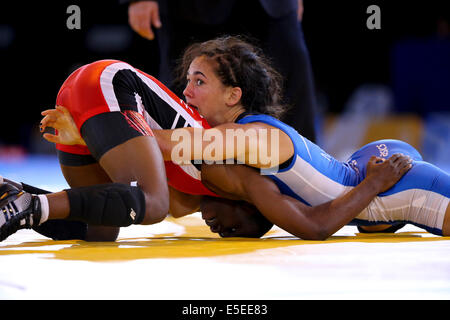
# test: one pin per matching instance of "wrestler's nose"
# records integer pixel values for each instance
(187, 92)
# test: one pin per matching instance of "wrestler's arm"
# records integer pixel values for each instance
(255, 144)
(182, 204)
(315, 223)
(250, 143)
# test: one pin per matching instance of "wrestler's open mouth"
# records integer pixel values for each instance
(192, 106)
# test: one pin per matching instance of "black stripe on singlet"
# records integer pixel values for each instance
(181, 122)
(127, 84)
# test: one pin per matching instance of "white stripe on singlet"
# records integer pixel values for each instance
(310, 184)
(174, 124)
(418, 206)
(106, 84)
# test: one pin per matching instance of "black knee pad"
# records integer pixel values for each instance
(112, 204)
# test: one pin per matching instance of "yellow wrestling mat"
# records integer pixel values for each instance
(182, 259)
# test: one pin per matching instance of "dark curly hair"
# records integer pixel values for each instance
(240, 64)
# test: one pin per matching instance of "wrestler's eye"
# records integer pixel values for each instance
(199, 82)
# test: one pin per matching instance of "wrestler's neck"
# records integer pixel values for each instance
(232, 113)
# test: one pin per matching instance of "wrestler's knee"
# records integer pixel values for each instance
(156, 206)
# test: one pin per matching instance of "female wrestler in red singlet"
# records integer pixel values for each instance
(115, 107)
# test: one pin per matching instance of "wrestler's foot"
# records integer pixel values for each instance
(18, 210)
(18, 185)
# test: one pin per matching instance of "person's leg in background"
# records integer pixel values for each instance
(283, 42)
(286, 46)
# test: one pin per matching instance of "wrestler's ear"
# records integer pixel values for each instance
(234, 95)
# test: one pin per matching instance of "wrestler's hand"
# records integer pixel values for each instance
(384, 173)
(60, 119)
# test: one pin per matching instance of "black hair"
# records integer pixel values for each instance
(238, 63)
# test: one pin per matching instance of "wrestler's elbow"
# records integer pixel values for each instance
(318, 236)
(166, 151)
(314, 232)
(321, 236)
(178, 211)
(164, 144)
(305, 222)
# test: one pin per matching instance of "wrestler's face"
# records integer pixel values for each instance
(205, 91)
(233, 218)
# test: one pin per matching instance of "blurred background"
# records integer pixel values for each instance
(370, 84)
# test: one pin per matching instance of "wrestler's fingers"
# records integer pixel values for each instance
(45, 112)
(48, 111)
(393, 158)
(375, 159)
(402, 166)
(405, 165)
(404, 161)
(406, 168)
(63, 109)
(47, 121)
(57, 117)
(397, 157)
(51, 137)
(49, 117)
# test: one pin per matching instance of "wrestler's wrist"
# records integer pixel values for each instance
(374, 185)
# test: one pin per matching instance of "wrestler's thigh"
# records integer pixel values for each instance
(86, 175)
(139, 159)
(429, 189)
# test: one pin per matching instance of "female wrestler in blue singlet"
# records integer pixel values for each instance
(314, 177)
(234, 88)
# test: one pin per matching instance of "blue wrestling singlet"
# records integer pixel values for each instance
(314, 177)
